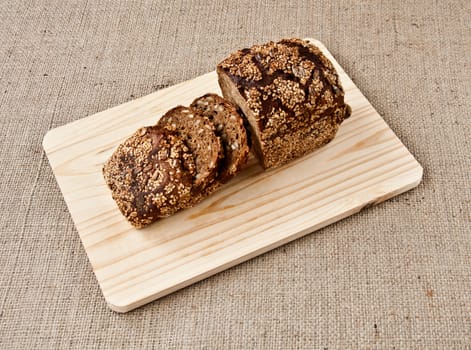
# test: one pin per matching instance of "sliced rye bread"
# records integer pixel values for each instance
(230, 129)
(199, 134)
(151, 175)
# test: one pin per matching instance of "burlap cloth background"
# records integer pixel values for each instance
(395, 276)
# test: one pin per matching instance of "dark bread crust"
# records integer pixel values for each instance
(199, 133)
(290, 94)
(230, 128)
(151, 175)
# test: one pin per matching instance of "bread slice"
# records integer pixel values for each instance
(200, 136)
(230, 129)
(291, 95)
(151, 175)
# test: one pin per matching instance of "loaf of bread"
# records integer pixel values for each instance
(293, 103)
(185, 157)
(291, 95)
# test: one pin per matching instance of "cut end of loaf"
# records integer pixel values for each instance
(231, 93)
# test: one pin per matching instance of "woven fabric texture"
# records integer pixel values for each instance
(395, 276)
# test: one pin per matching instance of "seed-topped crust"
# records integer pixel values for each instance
(151, 175)
(291, 95)
(199, 133)
(230, 128)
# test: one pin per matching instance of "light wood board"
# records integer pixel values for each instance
(255, 212)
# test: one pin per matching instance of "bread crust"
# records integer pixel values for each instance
(151, 175)
(291, 95)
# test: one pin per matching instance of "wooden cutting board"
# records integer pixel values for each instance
(255, 212)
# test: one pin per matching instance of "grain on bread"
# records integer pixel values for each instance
(151, 175)
(291, 95)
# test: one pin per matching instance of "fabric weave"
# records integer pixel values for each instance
(395, 276)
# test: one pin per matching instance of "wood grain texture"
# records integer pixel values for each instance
(255, 212)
